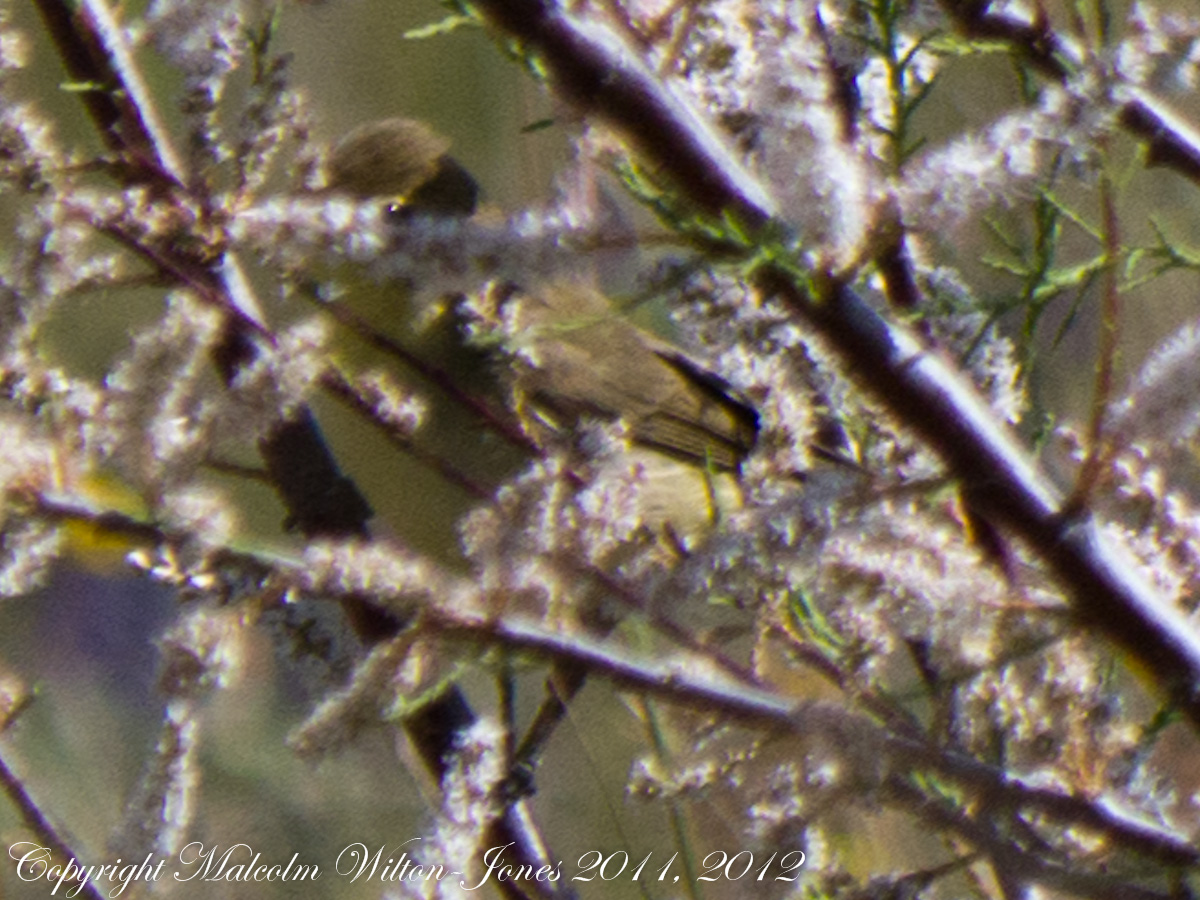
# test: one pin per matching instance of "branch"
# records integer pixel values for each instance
(1171, 142)
(677, 680)
(1016, 862)
(594, 67)
(321, 501)
(688, 679)
(93, 51)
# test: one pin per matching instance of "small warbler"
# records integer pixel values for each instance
(564, 352)
(405, 161)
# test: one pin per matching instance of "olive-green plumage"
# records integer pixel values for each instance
(581, 358)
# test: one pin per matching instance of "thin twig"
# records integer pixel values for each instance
(487, 416)
(339, 386)
(1014, 861)
(1170, 140)
(1098, 451)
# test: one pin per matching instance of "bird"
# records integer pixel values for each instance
(559, 352)
(406, 162)
(571, 356)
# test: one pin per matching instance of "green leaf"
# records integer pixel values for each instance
(444, 26)
(950, 44)
(539, 125)
(81, 87)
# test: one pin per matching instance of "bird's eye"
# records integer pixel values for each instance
(450, 192)
(397, 212)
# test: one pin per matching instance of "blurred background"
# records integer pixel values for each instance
(84, 643)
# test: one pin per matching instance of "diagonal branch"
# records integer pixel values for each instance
(1170, 141)
(321, 500)
(51, 840)
(594, 67)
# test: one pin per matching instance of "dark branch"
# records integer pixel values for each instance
(599, 72)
